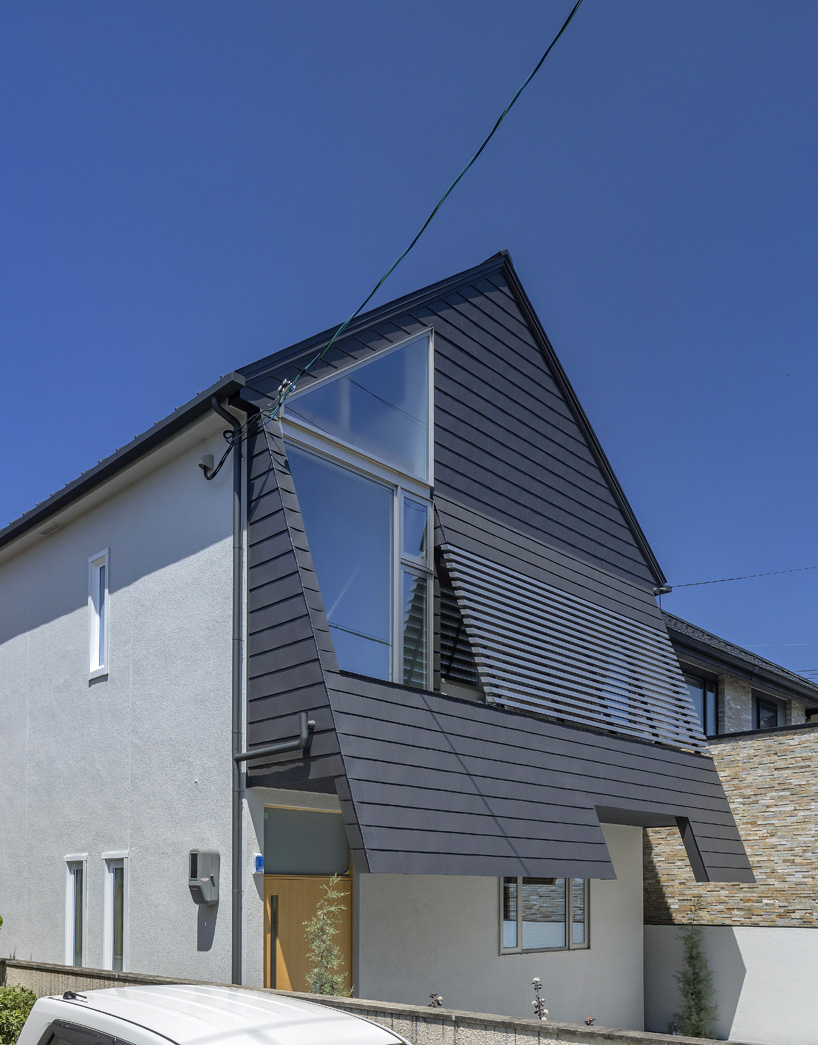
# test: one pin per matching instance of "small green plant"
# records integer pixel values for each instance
(695, 982)
(324, 953)
(15, 1005)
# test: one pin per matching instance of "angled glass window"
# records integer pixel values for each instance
(348, 521)
(380, 407)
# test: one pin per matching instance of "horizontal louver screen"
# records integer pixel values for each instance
(544, 650)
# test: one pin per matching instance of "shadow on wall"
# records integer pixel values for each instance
(206, 926)
(663, 958)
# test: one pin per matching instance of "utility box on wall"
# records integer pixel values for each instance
(203, 875)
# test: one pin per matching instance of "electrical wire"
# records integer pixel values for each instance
(745, 577)
(262, 419)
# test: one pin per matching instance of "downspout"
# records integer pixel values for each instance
(238, 613)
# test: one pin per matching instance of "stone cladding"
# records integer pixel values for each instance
(771, 782)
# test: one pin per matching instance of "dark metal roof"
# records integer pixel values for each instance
(704, 645)
(125, 455)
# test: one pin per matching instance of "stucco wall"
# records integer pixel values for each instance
(422, 933)
(771, 784)
(138, 761)
(765, 980)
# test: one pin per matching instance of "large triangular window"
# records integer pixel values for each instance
(380, 407)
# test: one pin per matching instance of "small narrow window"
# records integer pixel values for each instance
(704, 698)
(75, 884)
(766, 713)
(98, 613)
(543, 914)
(115, 912)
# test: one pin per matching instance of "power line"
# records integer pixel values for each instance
(288, 387)
(744, 577)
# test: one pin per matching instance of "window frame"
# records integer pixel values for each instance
(99, 614)
(770, 702)
(348, 448)
(74, 862)
(335, 451)
(710, 688)
(569, 911)
(110, 862)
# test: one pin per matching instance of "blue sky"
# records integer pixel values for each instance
(187, 186)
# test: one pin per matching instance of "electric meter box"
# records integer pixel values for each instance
(203, 875)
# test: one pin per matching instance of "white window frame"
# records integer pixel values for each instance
(72, 862)
(402, 484)
(569, 914)
(110, 861)
(99, 614)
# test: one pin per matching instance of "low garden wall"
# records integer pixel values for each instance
(418, 1024)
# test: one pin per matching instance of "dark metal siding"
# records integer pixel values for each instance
(441, 786)
(287, 628)
(507, 442)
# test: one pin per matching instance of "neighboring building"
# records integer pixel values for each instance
(431, 560)
(762, 937)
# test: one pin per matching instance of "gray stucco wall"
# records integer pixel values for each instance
(424, 933)
(138, 761)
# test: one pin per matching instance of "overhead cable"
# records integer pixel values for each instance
(266, 416)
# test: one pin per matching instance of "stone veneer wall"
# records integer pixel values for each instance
(772, 786)
(735, 704)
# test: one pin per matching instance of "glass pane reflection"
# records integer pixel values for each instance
(543, 911)
(381, 408)
(348, 521)
(415, 602)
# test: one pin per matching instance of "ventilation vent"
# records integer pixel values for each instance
(51, 528)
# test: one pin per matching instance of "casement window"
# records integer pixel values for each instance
(115, 911)
(704, 697)
(98, 613)
(75, 908)
(543, 914)
(358, 447)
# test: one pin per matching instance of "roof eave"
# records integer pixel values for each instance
(142, 444)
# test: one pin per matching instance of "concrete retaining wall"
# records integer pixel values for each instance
(419, 1025)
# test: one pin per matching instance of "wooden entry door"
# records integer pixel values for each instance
(289, 901)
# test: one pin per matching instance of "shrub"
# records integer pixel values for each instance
(15, 1005)
(695, 982)
(324, 953)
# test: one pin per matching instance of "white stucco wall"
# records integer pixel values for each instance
(418, 934)
(138, 761)
(764, 977)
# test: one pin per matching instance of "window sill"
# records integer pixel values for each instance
(98, 673)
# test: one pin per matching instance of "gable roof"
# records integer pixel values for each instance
(242, 381)
(286, 363)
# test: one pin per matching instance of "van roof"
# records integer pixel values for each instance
(188, 1014)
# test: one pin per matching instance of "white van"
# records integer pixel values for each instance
(187, 1014)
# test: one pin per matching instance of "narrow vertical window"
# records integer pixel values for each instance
(75, 910)
(98, 613)
(115, 912)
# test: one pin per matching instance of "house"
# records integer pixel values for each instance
(406, 635)
(761, 937)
